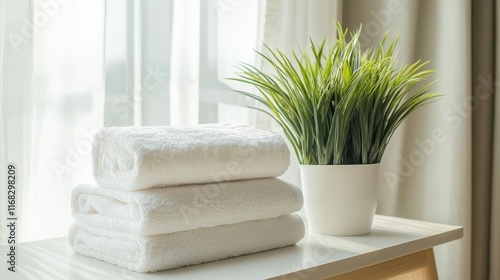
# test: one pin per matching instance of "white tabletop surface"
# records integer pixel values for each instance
(314, 257)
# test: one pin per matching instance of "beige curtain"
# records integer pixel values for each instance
(485, 140)
(483, 86)
(443, 163)
(494, 253)
(426, 174)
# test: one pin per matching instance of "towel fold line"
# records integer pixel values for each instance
(166, 210)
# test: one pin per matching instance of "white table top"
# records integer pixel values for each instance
(314, 257)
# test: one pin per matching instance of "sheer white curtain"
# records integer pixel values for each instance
(52, 101)
(185, 63)
(60, 81)
(187, 49)
(426, 172)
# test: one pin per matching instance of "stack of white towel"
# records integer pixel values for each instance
(176, 196)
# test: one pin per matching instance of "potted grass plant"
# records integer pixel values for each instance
(339, 106)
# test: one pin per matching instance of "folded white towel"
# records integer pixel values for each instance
(165, 210)
(134, 158)
(167, 251)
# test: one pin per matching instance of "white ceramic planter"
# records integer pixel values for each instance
(340, 199)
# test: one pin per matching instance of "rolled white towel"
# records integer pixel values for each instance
(165, 210)
(134, 158)
(167, 251)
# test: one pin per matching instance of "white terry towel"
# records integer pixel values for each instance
(167, 251)
(134, 158)
(165, 210)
